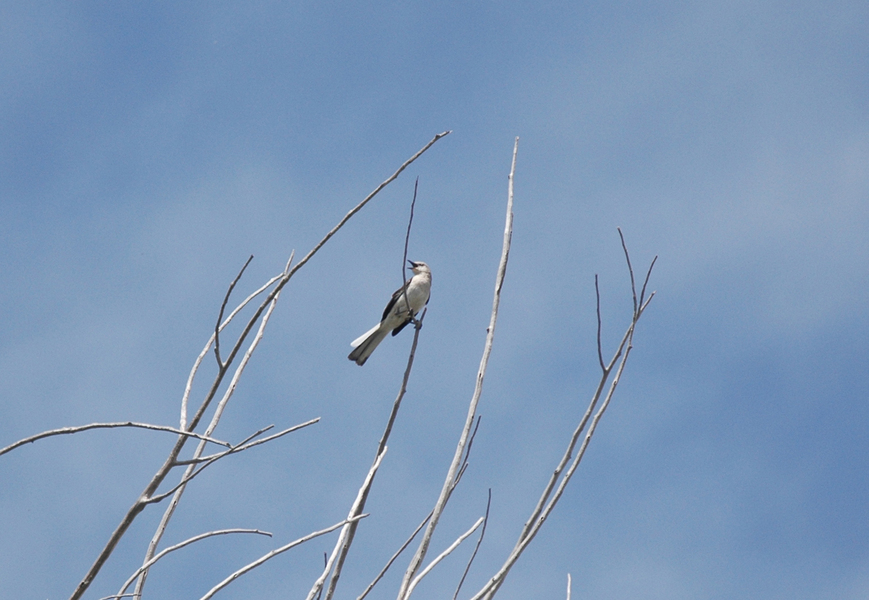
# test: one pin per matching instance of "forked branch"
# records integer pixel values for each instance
(559, 479)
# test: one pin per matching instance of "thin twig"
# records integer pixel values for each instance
(192, 470)
(274, 553)
(599, 347)
(206, 461)
(79, 428)
(568, 586)
(196, 364)
(223, 308)
(630, 269)
(250, 444)
(394, 556)
(178, 546)
(415, 563)
(442, 556)
(477, 547)
(646, 282)
(404, 257)
(468, 450)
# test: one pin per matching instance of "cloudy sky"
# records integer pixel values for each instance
(147, 149)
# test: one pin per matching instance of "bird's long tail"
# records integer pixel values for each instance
(365, 344)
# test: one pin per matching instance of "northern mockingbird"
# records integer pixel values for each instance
(396, 315)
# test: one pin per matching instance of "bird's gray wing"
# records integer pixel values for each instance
(393, 300)
(395, 296)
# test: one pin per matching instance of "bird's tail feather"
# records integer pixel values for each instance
(361, 353)
(355, 343)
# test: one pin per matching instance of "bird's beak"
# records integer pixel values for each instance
(412, 264)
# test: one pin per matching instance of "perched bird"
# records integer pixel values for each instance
(396, 315)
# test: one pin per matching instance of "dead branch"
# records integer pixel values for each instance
(79, 428)
(417, 559)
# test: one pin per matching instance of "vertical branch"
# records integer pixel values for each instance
(417, 559)
(630, 269)
(404, 257)
(599, 348)
(381, 448)
(409, 224)
(351, 528)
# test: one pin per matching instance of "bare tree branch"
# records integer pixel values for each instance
(359, 206)
(415, 563)
(351, 534)
(404, 257)
(630, 269)
(215, 419)
(442, 556)
(79, 428)
(206, 461)
(354, 512)
(477, 547)
(599, 347)
(196, 364)
(645, 283)
(245, 445)
(178, 546)
(424, 521)
(273, 553)
(223, 308)
(394, 556)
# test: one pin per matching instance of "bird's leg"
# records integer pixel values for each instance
(417, 323)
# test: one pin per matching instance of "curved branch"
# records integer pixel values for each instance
(79, 428)
(274, 553)
(178, 546)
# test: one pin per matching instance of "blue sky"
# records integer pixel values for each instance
(147, 150)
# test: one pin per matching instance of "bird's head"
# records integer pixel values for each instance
(418, 267)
